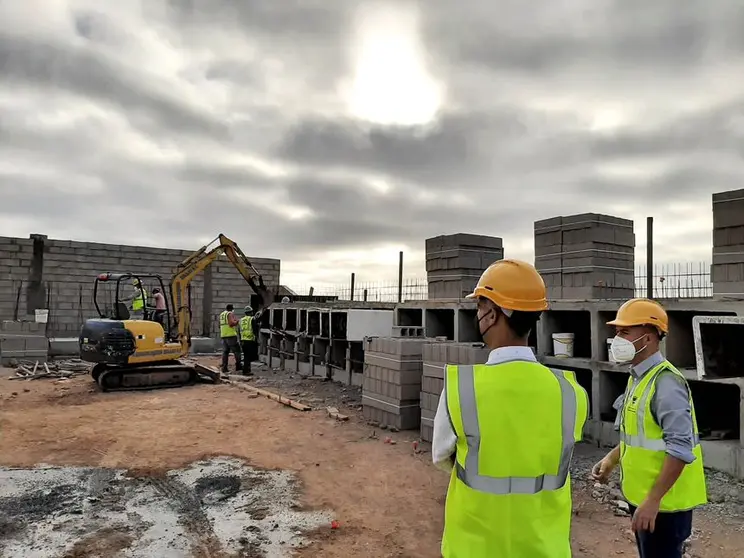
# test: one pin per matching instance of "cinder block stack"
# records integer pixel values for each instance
(436, 356)
(392, 381)
(727, 271)
(22, 341)
(587, 256)
(455, 262)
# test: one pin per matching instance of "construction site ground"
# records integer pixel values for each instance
(383, 492)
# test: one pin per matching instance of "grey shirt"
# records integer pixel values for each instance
(670, 407)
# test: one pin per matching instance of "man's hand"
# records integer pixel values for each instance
(601, 471)
(644, 518)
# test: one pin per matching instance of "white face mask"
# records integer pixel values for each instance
(624, 350)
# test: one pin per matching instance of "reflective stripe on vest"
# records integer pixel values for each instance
(470, 475)
(226, 330)
(246, 328)
(643, 450)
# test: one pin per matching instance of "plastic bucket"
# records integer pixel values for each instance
(42, 316)
(563, 344)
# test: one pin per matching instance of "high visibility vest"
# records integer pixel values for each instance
(643, 450)
(510, 490)
(246, 328)
(138, 303)
(226, 330)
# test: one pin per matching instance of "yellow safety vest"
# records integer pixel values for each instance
(510, 490)
(225, 329)
(138, 303)
(246, 328)
(643, 451)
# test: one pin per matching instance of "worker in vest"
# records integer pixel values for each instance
(229, 335)
(506, 430)
(248, 342)
(138, 300)
(660, 458)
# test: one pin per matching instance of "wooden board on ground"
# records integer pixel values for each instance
(275, 397)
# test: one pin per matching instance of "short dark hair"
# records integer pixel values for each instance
(229, 307)
(521, 323)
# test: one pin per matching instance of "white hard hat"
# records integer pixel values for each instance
(285, 300)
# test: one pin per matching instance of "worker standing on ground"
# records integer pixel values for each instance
(229, 335)
(507, 431)
(659, 452)
(248, 340)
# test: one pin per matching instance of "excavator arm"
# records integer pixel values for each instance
(198, 262)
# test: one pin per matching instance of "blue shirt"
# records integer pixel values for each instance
(670, 407)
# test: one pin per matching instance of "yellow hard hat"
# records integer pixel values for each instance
(512, 285)
(641, 311)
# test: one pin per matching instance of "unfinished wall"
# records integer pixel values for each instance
(727, 271)
(38, 272)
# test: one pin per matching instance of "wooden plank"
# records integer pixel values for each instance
(276, 397)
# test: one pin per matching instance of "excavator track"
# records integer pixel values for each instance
(151, 377)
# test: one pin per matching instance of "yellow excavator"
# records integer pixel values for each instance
(146, 352)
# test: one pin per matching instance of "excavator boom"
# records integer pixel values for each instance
(198, 262)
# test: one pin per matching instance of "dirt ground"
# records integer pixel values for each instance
(387, 499)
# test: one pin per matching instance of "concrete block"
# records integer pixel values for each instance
(431, 384)
(403, 417)
(393, 362)
(728, 236)
(427, 431)
(37, 343)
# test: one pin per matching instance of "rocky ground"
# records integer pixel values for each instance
(192, 460)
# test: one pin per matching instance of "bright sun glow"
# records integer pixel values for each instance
(390, 83)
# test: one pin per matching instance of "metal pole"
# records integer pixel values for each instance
(352, 287)
(400, 277)
(649, 257)
(365, 295)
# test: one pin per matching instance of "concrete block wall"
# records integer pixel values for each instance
(727, 271)
(435, 357)
(585, 257)
(455, 262)
(22, 341)
(39, 272)
(392, 381)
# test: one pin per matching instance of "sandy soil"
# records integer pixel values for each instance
(387, 499)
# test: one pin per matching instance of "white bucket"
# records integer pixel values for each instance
(610, 358)
(563, 344)
(42, 316)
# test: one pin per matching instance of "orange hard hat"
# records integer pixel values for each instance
(512, 285)
(641, 311)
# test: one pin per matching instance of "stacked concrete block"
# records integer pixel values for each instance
(727, 271)
(454, 263)
(435, 357)
(587, 256)
(391, 383)
(22, 341)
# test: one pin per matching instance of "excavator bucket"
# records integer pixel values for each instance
(265, 296)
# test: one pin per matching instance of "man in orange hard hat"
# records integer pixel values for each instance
(659, 452)
(506, 430)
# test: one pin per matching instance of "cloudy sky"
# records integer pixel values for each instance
(334, 133)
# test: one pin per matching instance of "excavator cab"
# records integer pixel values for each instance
(113, 301)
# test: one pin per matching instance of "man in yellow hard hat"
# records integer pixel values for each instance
(659, 453)
(506, 430)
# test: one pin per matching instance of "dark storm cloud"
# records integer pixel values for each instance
(662, 36)
(44, 64)
(512, 162)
